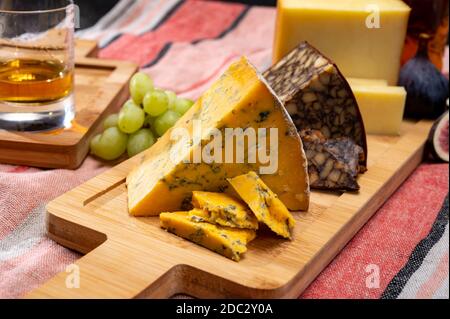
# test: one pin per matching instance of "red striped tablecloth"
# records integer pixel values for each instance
(402, 252)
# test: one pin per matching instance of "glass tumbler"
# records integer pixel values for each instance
(36, 64)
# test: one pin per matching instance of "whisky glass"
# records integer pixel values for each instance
(36, 64)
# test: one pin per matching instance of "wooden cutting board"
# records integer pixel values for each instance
(101, 87)
(129, 257)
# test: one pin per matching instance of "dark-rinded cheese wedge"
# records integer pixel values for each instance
(333, 163)
(317, 96)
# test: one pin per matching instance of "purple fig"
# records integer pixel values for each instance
(426, 87)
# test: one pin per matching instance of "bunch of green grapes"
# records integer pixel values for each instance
(142, 120)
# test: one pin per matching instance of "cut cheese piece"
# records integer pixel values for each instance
(264, 203)
(367, 82)
(348, 32)
(240, 98)
(333, 163)
(224, 210)
(229, 242)
(381, 108)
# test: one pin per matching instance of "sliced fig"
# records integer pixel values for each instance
(438, 139)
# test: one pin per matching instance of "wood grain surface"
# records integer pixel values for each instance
(129, 257)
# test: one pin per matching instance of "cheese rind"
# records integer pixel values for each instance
(239, 99)
(229, 242)
(264, 203)
(223, 209)
(381, 107)
(367, 82)
(346, 31)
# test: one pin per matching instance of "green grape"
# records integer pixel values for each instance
(156, 103)
(111, 120)
(95, 142)
(131, 117)
(149, 121)
(140, 84)
(140, 141)
(172, 98)
(182, 105)
(109, 145)
(166, 121)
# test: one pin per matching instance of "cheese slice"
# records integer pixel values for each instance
(229, 242)
(240, 98)
(364, 37)
(264, 203)
(223, 209)
(381, 107)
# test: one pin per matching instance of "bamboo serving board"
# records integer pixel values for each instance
(101, 86)
(128, 257)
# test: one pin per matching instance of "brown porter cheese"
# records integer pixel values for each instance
(318, 97)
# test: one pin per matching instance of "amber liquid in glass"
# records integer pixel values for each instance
(34, 81)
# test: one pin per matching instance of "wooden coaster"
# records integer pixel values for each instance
(101, 87)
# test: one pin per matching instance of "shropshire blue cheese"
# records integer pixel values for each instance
(264, 203)
(223, 209)
(227, 241)
(240, 98)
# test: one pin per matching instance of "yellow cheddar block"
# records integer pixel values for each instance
(381, 107)
(264, 203)
(229, 242)
(367, 82)
(223, 209)
(239, 99)
(364, 37)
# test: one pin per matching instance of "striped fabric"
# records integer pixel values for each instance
(425, 275)
(403, 250)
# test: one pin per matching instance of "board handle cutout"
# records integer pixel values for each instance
(103, 192)
(112, 271)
